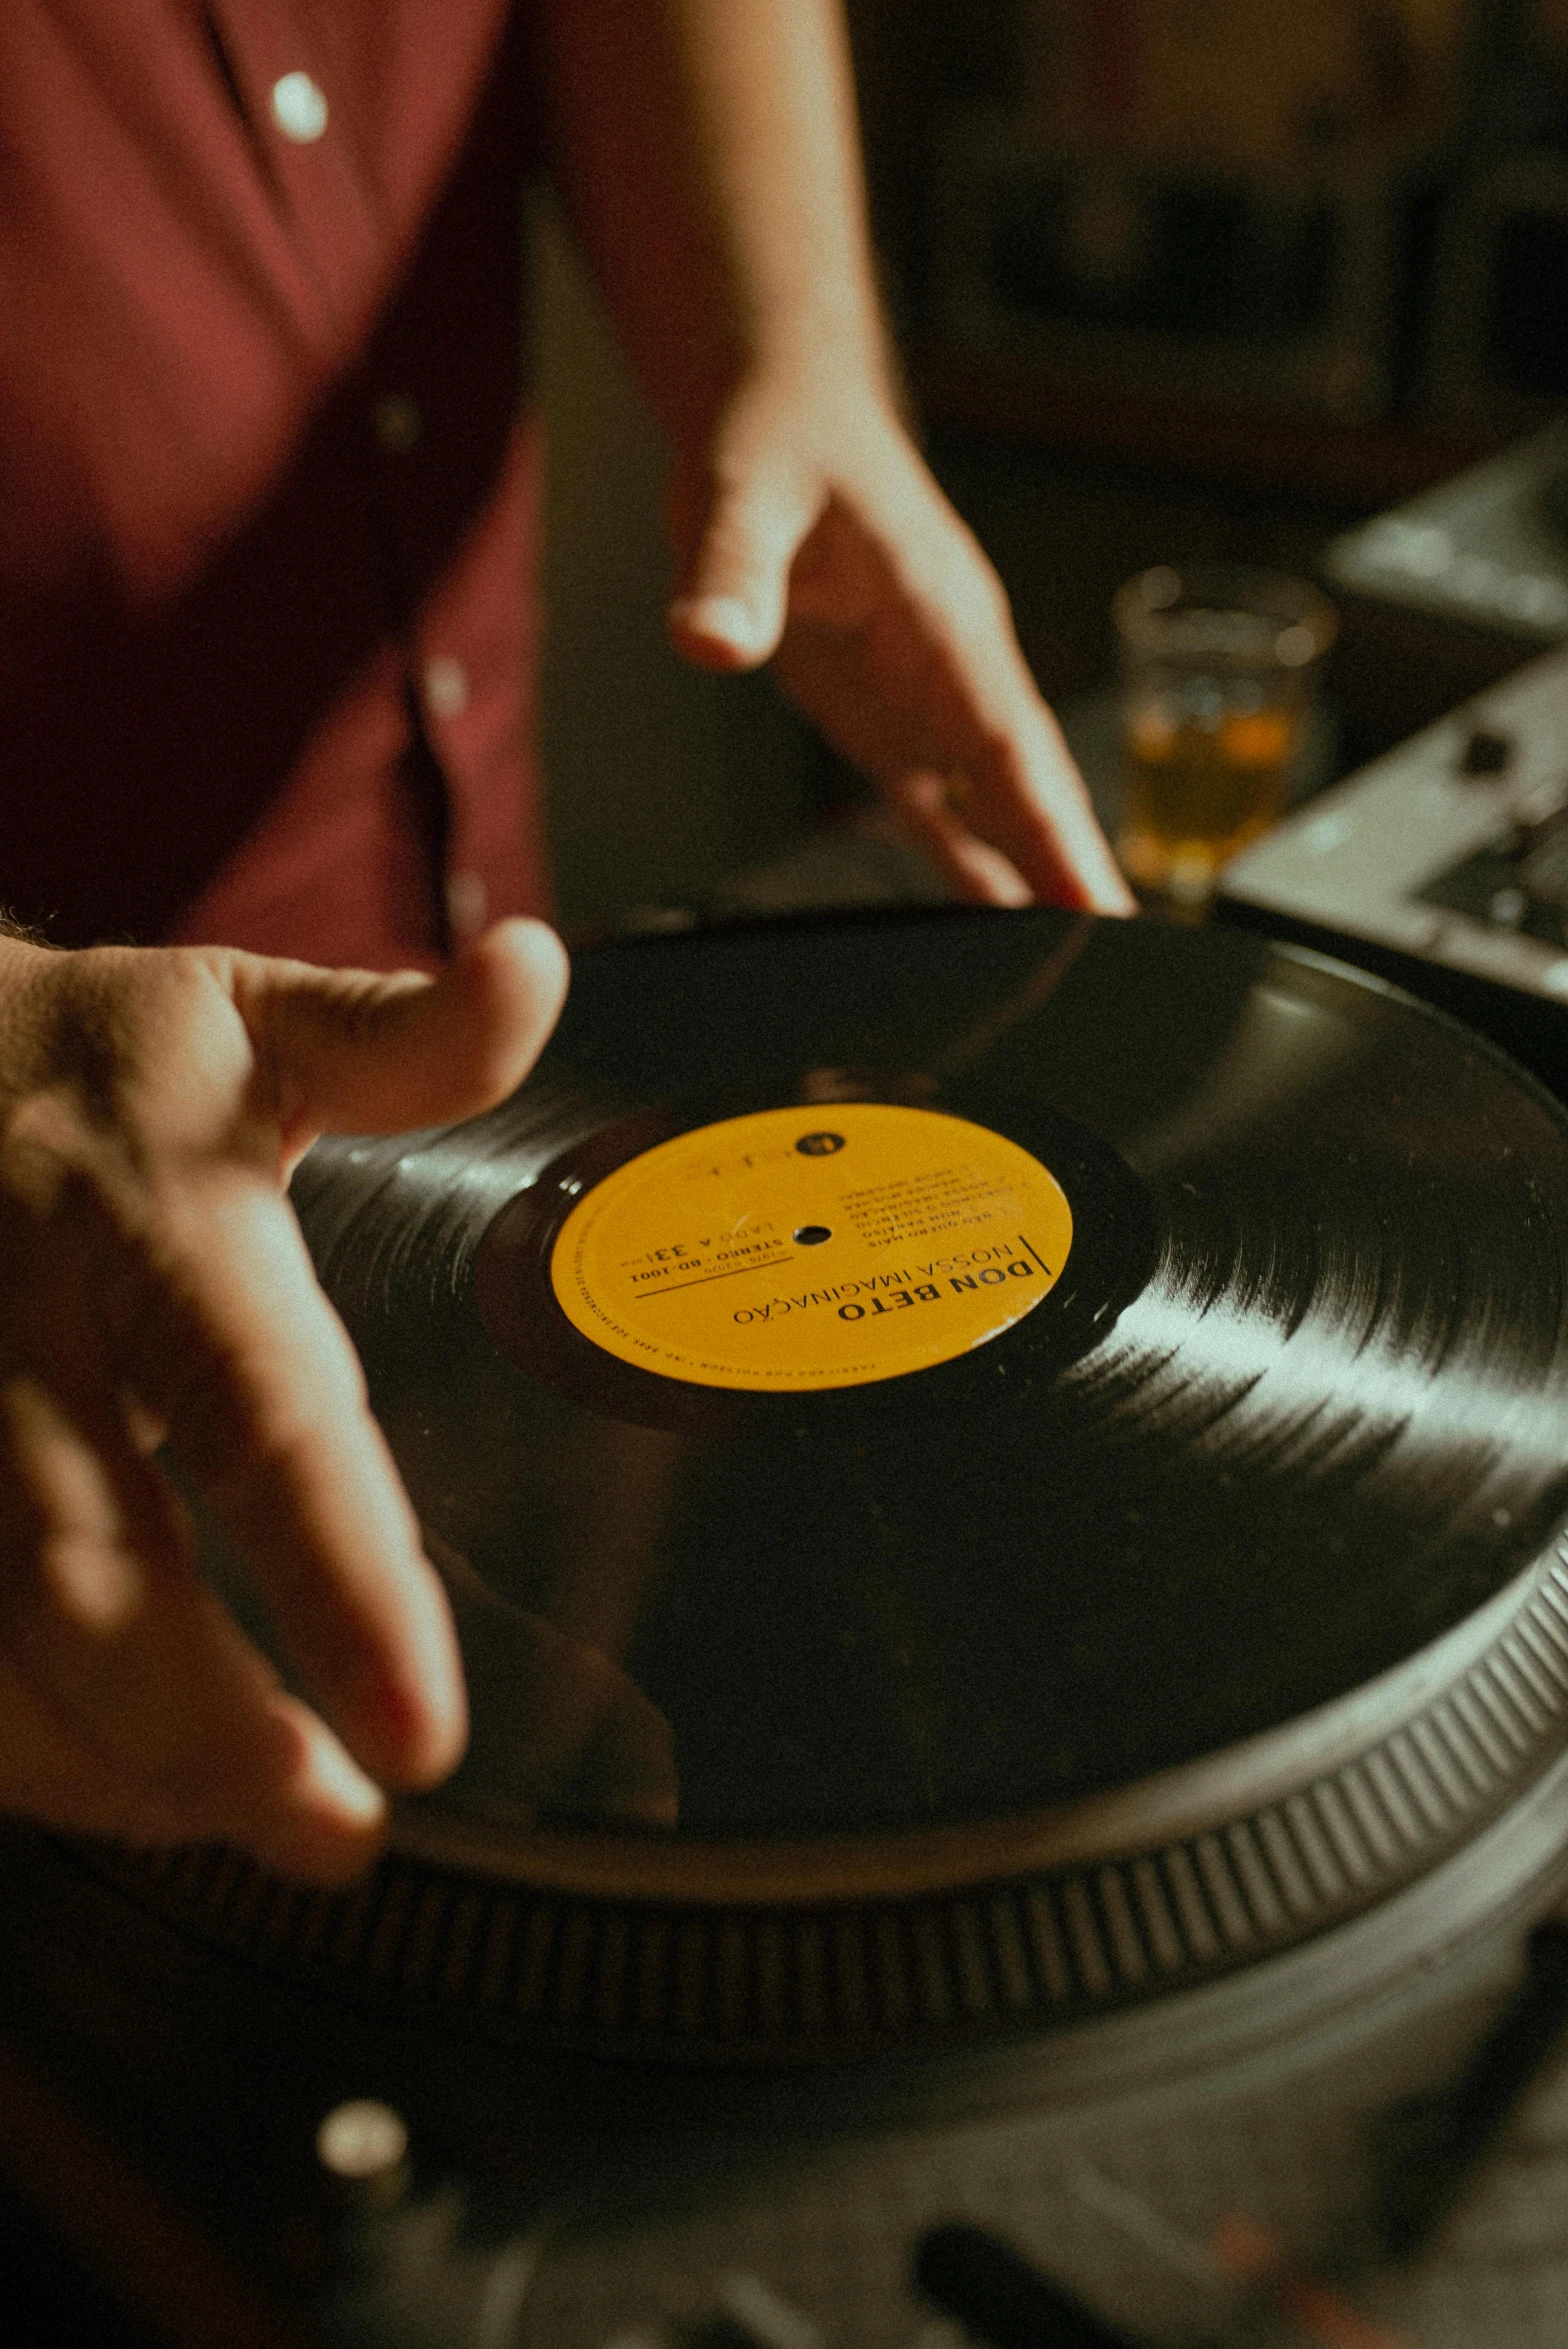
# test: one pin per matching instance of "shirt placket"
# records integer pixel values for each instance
(282, 59)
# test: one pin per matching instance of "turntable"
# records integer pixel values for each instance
(1001, 1479)
(1441, 866)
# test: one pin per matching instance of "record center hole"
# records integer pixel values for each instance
(812, 1235)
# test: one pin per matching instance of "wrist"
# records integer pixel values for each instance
(817, 391)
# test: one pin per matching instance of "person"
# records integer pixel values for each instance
(264, 500)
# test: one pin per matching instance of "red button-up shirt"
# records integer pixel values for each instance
(267, 506)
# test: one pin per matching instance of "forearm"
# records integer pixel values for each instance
(708, 156)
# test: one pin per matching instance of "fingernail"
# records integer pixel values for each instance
(334, 1778)
(1010, 887)
(419, 1732)
(723, 617)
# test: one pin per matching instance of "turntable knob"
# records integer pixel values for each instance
(391, 2265)
(1487, 752)
(362, 2147)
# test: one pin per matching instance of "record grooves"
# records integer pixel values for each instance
(1204, 1598)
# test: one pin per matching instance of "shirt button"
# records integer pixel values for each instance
(467, 903)
(446, 687)
(299, 109)
(396, 422)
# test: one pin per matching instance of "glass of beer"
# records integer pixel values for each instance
(1219, 669)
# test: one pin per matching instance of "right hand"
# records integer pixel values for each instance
(154, 1288)
(809, 531)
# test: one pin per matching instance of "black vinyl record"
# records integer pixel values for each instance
(1293, 1410)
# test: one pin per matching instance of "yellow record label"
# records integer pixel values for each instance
(803, 1248)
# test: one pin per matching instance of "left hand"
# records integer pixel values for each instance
(809, 531)
(154, 1284)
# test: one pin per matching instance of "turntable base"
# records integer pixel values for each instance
(1075, 1750)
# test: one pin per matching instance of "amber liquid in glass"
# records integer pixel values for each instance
(1193, 794)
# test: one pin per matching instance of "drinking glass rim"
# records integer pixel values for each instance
(1145, 606)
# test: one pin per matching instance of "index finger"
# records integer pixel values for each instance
(130, 1702)
(1013, 821)
(225, 1335)
(902, 646)
(1021, 793)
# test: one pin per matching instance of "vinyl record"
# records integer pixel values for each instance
(1293, 1407)
(1162, 1537)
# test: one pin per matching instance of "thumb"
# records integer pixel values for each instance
(732, 598)
(359, 1052)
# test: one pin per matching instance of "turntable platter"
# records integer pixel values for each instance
(1192, 1592)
